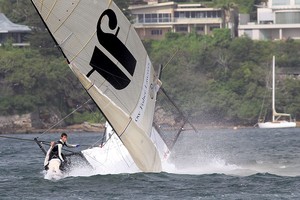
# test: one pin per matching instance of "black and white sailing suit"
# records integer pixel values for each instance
(56, 152)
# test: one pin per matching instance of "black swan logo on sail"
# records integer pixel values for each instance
(102, 64)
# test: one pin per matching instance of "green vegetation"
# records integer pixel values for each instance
(216, 78)
(37, 79)
(31, 82)
(213, 78)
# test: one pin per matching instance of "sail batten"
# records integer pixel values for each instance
(102, 48)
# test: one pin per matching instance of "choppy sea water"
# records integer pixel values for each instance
(210, 164)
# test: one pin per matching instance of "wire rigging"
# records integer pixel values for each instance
(33, 140)
(22, 139)
(263, 103)
(175, 53)
(65, 117)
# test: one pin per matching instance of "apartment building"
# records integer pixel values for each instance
(154, 20)
(276, 20)
(12, 31)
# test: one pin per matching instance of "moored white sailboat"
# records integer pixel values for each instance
(107, 56)
(279, 120)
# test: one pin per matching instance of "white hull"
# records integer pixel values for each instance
(53, 171)
(54, 166)
(279, 124)
(114, 158)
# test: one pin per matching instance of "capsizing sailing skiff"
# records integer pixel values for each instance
(108, 58)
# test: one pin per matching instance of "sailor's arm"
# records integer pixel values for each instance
(71, 145)
(46, 161)
(59, 152)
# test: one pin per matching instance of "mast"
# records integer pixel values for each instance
(273, 90)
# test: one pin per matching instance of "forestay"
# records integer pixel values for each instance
(107, 56)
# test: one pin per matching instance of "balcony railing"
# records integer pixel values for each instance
(177, 20)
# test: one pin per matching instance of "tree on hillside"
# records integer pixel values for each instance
(230, 14)
(123, 5)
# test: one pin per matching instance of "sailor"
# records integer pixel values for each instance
(55, 151)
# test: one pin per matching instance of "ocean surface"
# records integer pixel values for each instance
(211, 164)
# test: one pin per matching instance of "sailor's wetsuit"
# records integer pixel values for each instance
(56, 152)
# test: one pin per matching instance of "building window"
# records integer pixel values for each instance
(155, 18)
(150, 18)
(140, 18)
(211, 28)
(199, 28)
(167, 17)
(156, 32)
(176, 14)
(216, 14)
(209, 14)
(201, 14)
(288, 18)
(147, 18)
(187, 14)
(280, 2)
(164, 17)
(16, 37)
(180, 14)
(198, 14)
(181, 28)
(193, 14)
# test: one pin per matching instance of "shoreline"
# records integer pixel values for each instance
(94, 128)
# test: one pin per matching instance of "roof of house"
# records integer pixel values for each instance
(7, 26)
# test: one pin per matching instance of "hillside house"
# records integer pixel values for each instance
(14, 32)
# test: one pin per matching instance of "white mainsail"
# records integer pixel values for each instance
(107, 56)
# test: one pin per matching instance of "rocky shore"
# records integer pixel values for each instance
(29, 123)
(84, 127)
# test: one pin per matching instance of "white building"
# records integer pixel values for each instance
(278, 20)
(153, 20)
